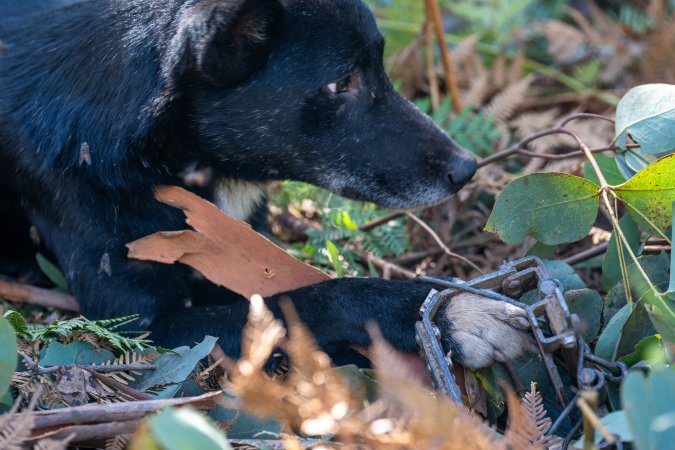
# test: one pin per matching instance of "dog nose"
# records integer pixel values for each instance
(461, 170)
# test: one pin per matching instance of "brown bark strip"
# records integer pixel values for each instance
(225, 250)
(23, 293)
(90, 433)
(115, 412)
(434, 14)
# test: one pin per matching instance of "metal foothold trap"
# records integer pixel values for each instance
(553, 327)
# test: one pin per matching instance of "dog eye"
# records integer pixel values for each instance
(350, 83)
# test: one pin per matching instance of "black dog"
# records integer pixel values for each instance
(102, 100)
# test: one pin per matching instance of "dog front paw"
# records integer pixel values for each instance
(483, 331)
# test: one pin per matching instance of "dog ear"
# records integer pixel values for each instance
(223, 41)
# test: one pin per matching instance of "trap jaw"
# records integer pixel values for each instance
(511, 281)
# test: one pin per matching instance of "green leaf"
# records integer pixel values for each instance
(611, 268)
(564, 273)
(186, 429)
(609, 338)
(587, 304)
(554, 208)
(53, 273)
(638, 326)
(608, 168)
(650, 194)
(175, 367)
(359, 381)
(671, 283)
(647, 113)
(7, 355)
(77, 352)
(648, 402)
(648, 349)
(334, 255)
(18, 323)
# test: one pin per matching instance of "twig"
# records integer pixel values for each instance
(128, 391)
(577, 116)
(414, 257)
(381, 221)
(99, 369)
(515, 148)
(593, 419)
(431, 66)
(388, 266)
(657, 248)
(34, 367)
(442, 245)
(90, 433)
(434, 16)
(113, 412)
(23, 293)
(519, 148)
(587, 254)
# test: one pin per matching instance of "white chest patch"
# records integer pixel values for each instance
(238, 199)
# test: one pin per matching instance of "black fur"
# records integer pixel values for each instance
(241, 87)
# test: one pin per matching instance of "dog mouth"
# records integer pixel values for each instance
(405, 198)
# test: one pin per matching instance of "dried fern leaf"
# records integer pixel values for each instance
(504, 104)
(498, 72)
(564, 40)
(479, 88)
(118, 442)
(464, 49)
(14, 430)
(54, 444)
(517, 67)
(528, 420)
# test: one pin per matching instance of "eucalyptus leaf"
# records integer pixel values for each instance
(638, 326)
(609, 169)
(587, 304)
(611, 264)
(7, 355)
(649, 403)
(609, 338)
(564, 273)
(186, 429)
(648, 349)
(554, 208)
(175, 367)
(76, 352)
(647, 113)
(650, 194)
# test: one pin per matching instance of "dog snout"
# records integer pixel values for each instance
(462, 169)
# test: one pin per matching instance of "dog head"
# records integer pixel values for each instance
(296, 89)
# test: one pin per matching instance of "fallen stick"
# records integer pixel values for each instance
(116, 412)
(89, 433)
(23, 293)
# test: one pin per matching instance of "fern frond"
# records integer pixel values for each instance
(53, 444)
(504, 104)
(528, 420)
(464, 49)
(14, 430)
(118, 442)
(565, 42)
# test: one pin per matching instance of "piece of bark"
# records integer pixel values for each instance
(88, 433)
(114, 412)
(23, 293)
(225, 250)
